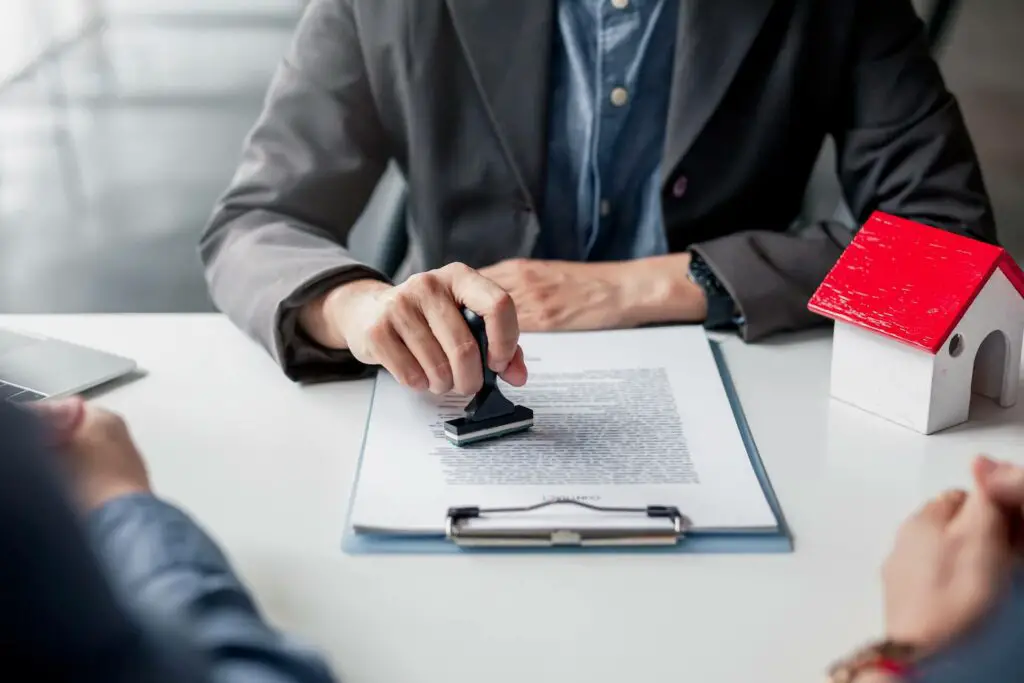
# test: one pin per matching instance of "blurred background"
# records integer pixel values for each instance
(121, 121)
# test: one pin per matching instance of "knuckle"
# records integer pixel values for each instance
(457, 268)
(403, 306)
(441, 381)
(398, 307)
(503, 304)
(443, 371)
(466, 351)
(417, 283)
(411, 282)
(379, 332)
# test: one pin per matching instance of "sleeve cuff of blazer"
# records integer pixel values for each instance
(302, 358)
(769, 301)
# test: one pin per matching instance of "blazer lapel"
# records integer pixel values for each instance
(508, 44)
(712, 38)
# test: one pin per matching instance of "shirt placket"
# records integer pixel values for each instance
(612, 93)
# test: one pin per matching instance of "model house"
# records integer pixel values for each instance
(923, 319)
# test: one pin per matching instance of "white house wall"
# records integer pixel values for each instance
(880, 375)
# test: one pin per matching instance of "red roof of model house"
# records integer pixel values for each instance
(910, 281)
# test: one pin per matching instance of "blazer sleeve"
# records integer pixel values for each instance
(902, 147)
(277, 236)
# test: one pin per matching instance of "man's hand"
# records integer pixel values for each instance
(97, 450)
(950, 563)
(563, 295)
(416, 330)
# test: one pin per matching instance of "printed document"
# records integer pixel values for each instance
(622, 418)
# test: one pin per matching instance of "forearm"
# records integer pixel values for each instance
(168, 567)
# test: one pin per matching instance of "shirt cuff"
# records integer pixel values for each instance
(305, 360)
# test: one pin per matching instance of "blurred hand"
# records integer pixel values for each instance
(950, 563)
(416, 331)
(97, 450)
(1003, 483)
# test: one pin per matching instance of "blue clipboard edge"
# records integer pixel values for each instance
(780, 541)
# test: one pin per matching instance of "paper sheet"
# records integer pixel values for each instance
(624, 418)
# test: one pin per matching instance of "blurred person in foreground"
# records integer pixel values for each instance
(102, 582)
(131, 589)
(573, 165)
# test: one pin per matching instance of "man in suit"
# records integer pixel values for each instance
(573, 164)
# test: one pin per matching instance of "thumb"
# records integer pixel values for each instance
(982, 515)
(1003, 482)
(515, 374)
(61, 417)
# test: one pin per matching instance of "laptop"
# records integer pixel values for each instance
(34, 367)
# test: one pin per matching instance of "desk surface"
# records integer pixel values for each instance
(267, 467)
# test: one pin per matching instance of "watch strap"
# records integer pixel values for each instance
(721, 307)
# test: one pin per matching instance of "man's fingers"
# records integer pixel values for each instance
(430, 357)
(391, 352)
(494, 305)
(457, 342)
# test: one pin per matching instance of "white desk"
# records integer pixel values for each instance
(267, 467)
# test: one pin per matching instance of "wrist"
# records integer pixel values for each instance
(324, 318)
(657, 290)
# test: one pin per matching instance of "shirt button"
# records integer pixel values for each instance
(619, 96)
(620, 4)
(606, 207)
(679, 187)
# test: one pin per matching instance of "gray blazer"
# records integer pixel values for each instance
(454, 92)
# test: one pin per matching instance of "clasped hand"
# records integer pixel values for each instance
(952, 560)
(96, 449)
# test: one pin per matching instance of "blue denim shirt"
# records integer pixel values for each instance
(610, 81)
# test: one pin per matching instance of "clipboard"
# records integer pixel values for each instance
(657, 529)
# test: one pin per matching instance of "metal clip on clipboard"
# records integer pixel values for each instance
(665, 525)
